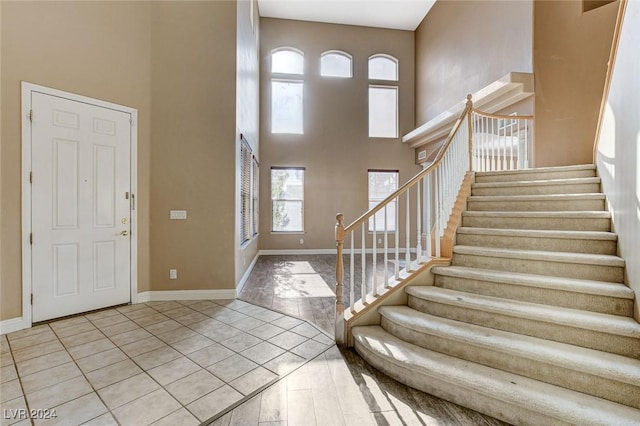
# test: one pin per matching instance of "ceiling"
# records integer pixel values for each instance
(395, 14)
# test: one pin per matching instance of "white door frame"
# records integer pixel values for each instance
(27, 90)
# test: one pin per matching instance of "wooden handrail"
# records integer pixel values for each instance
(502, 116)
(411, 182)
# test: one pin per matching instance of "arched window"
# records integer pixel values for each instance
(287, 90)
(287, 60)
(334, 63)
(383, 67)
(383, 98)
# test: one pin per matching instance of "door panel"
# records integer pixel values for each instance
(81, 254)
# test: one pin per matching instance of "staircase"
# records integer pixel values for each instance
(531, 323)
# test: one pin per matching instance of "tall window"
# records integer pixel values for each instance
(287, 199)
(383, 96)
(287, 94)
(334, 63)
(382, 183)
(248, 192)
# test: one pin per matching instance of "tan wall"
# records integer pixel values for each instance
(193, 153)
(618, 155)
(335, 148)
(462, 46)
(247, 112)
(571, 50)
(96, 49)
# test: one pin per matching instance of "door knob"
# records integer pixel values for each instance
(124, 233)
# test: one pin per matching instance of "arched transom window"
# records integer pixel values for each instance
(335, 63)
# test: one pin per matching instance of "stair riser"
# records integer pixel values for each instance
(526, 366)
(480, 178)
(538, 205)
(546, 296)
(461, 395)
(534, 243)
(557, 224)
(585, 188)
(560, 333)
(542, 267)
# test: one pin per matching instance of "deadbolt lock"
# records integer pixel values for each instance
(124, 221)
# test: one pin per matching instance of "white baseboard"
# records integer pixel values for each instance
(13, 324)
(246, 274)
(156, 296)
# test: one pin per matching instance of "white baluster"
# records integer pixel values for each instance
(352, 283)
(374, 269)
(418, 225)
(408, 235)
(397, 239)
(386, 248)
(363, 255)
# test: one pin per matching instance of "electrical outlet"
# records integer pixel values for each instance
(379, 240)
(173, 274)
(301, 241)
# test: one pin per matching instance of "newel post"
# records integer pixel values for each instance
(340, 326)
(470, 129)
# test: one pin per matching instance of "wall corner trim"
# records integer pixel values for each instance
(157, 296)
(13, 324)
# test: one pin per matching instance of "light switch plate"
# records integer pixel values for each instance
(178, 214)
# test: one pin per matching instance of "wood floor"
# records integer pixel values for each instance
(337, 387)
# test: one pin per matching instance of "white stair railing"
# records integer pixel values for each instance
(501, 142)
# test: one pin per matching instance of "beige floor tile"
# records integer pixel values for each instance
(176, 334)
(287, 340)
(194, 386)
(214, 402)
(4, 345)
(110, 321)
(45, 335)
(115, 329)
(268, 316)
(192, 344)
(246, 414)
(75, 329)
(91, 348)
(16, 410)
(309, 349)
(181, 417)
(77, 411)
(27, 332)
(241, 342)
(127, 390)
(10, 390)
(8, 373)
(327, 407)
(82, 338)
(139, 313)
(262, 352)
(49, 377)
(101, 359)
(191, 318)
(306, 330)
(232, 368)
(130, 308)
(201, 305)
(147, 409)
(151, 319)
(209, 324)
(322, 338)
(266, 331)
(273, 405)
(68, 322)
(300, 407)
(253, 380)
(299, 379)
(6, 359)
(37, 350)
(142, 346)
(157, 357)
(106, 419)
(284, 363)
(40, 363)
(221, 333)
(164, 306)
(173, 370)
(166, 325)
(112, 374)
(178, 312)
(55, 395)
(248, 324)
(101, 314)
(210, 355)
(287, 322)
(130, 336)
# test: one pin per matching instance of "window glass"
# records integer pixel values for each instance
(381, 185)
(287, 61)
(248, 193)
(286, 106)
(382, 67)
(335, 64)
(383, 111)
(287, 199)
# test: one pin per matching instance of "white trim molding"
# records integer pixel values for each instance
(246, 274)
(157, 296)
(13, 324)
(289, 252)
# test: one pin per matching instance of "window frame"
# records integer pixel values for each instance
(384, 84)
(284, 77)
(336, 53)
(391, 58)
(301, 200)
(379, 200)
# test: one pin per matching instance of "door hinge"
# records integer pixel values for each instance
(32, 298)
(31, 238)
(31, 115)
(30, 177)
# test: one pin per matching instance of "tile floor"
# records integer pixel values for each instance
(164, 363)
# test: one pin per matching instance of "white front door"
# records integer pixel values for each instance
(80, 206)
